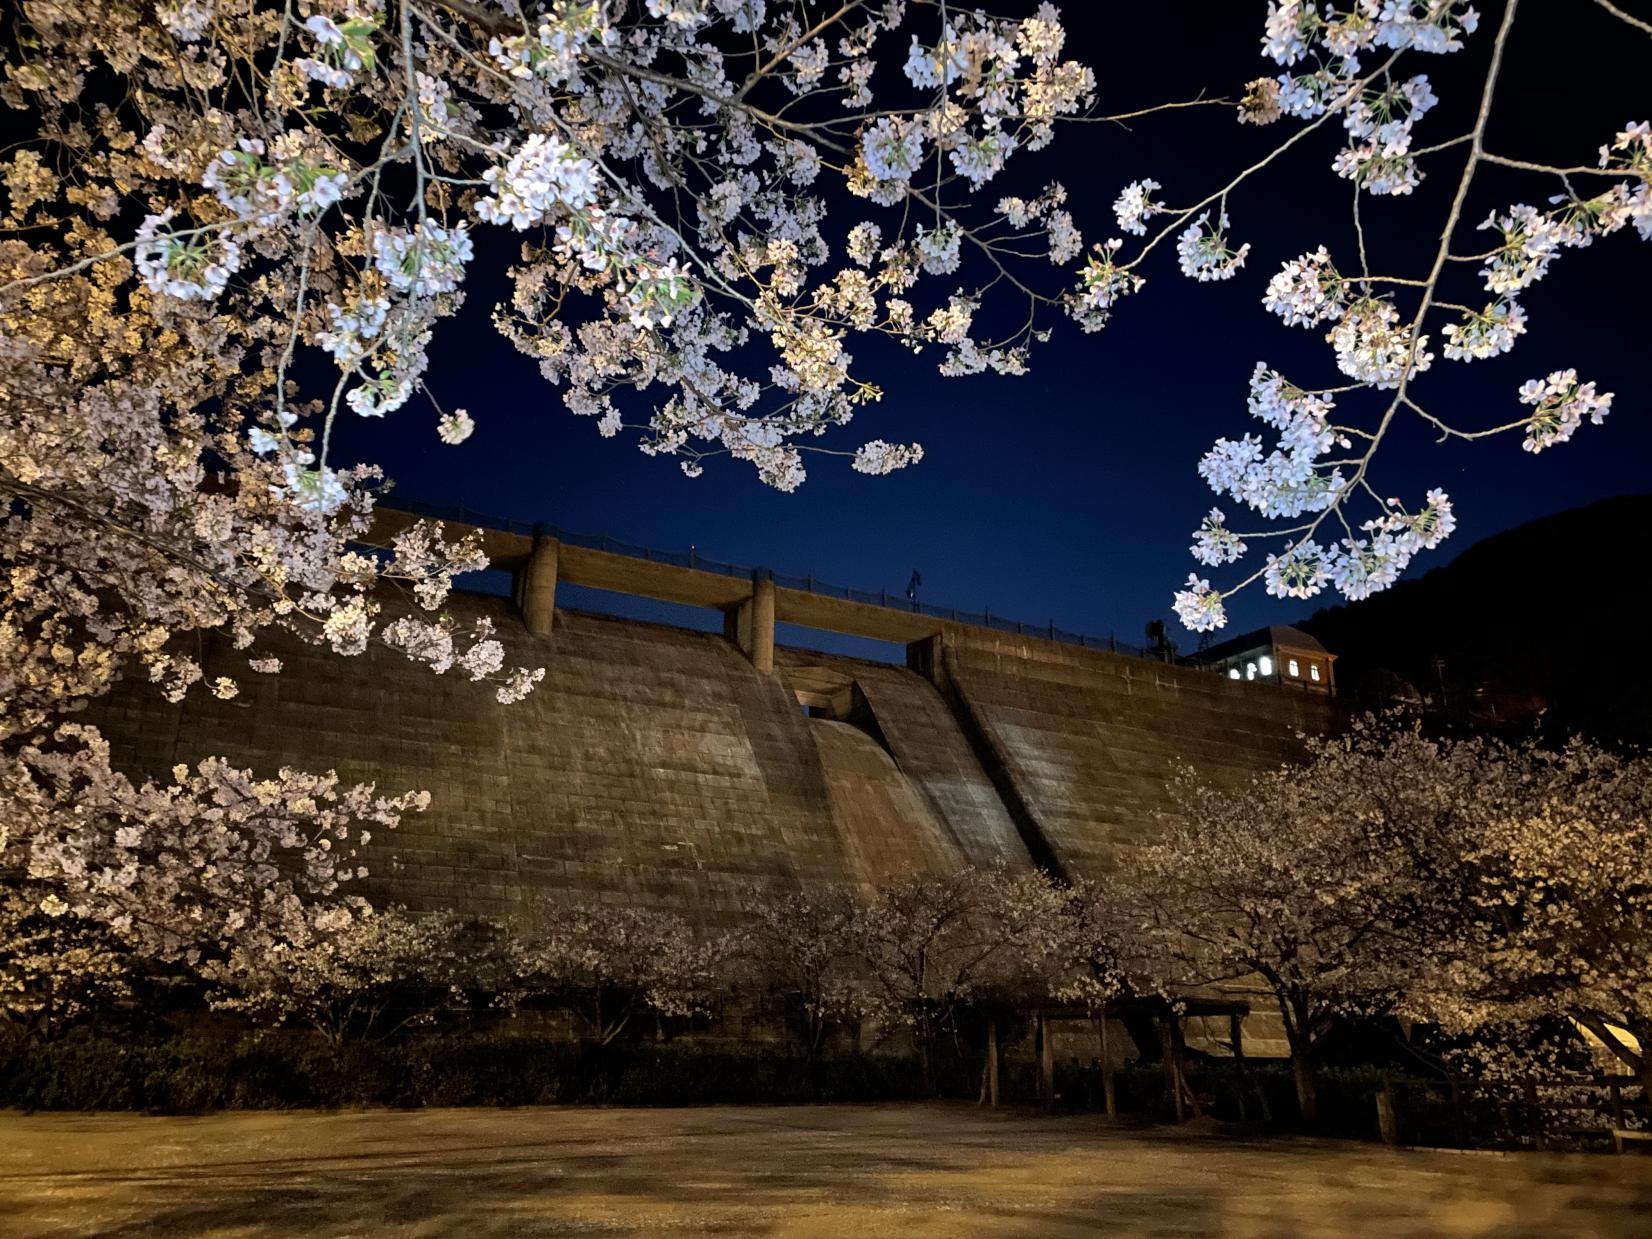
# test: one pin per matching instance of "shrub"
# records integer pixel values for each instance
(289, 1068)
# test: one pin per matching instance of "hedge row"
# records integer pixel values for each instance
(273, 1070)
(205, 1070)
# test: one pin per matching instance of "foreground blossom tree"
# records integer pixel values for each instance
(1295, 879)
(1544, 871)
(216, 862)
(607, 966)
(55, 968)
(931, 945)
(240, 222)
(803, 945)
(369, 977)
(1387, 319)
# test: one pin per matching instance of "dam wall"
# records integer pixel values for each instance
(683, 770)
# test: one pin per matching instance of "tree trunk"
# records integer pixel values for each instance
(992, 1064)
(1172, 1072)
(1306, 1100)
(1109, 1088)
(1046, 1063)
(1178, 1042)
(925, 1044)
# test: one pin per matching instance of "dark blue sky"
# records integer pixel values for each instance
(1070, 493)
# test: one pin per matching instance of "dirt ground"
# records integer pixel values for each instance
(855, 1172)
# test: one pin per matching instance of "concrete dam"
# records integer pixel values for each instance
(664, 767)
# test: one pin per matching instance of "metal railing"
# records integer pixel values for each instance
(806, 584)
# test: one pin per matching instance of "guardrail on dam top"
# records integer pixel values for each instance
(693, 560)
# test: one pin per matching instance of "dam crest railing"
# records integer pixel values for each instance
(691, 558)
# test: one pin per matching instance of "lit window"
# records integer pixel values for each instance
(1265, 665)
(1313, 671)
(1233, 673)
(1250, 671)
(1295, 670)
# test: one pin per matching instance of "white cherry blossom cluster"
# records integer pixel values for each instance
(1561, 403)
(261, 192)
(1214, 544)
(1287, 481)
(1102, 283)
(186, 20)
(355, 324)
(553, 52)
(1204, 251)
(1423, 530)
(189, 264)
(1373, 346)
(455, 427)
(1531, 241)
(893, 148)
(1307, 291)
(423, 261)
(1198, 606)
(1379, 124)
(1301, 572)
(1360, 567)
(342, 49)
(878, 457)
(542, 178)
(1135, 206)
(1489, 333)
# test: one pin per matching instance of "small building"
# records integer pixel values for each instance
(1277, 654)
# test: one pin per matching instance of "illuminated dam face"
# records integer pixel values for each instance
(662, 767)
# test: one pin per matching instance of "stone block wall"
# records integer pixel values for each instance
(1085, 742)
(657, 767)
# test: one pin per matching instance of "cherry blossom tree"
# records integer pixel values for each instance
(54, 969)
(344, 982)
(1545, 877)
(606, 965)
(1294, 879)
(1493, 890)
(1351, 65)
(933, 944)
(216, 860)
(1089, 949)
(802, 944)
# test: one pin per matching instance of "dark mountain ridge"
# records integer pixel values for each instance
(1522, 631)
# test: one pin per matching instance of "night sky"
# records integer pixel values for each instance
(1070, 494)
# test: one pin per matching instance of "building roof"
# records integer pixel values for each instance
(1275, 636)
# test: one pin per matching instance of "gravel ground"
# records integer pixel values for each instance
(853, 1172)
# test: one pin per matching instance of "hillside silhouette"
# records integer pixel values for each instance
(1521, 632)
